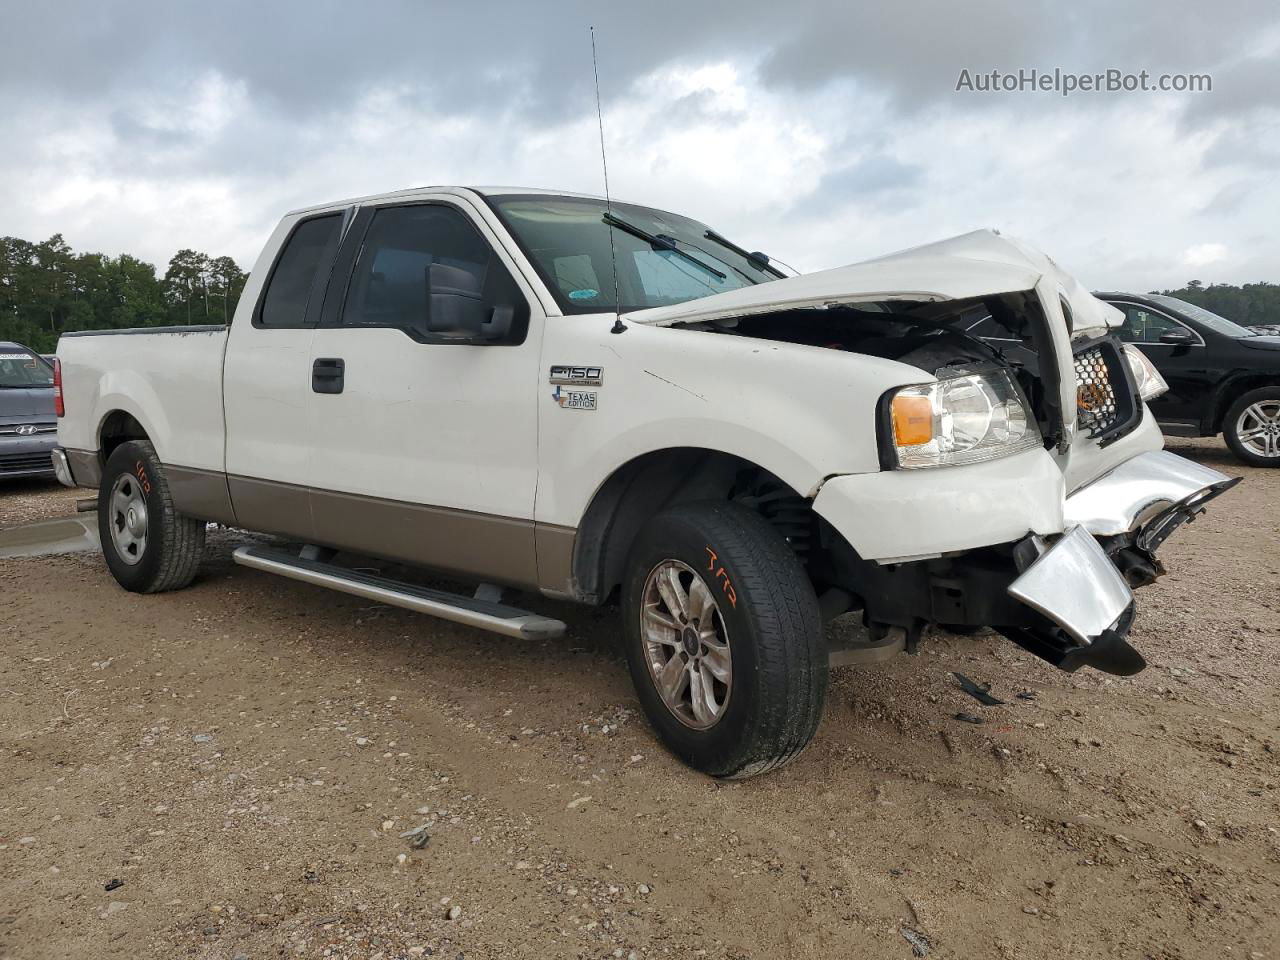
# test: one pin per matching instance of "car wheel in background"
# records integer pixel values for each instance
(724, 639)
(1252, 427)
(149, 546)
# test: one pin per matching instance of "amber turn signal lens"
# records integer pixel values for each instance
(912, 421)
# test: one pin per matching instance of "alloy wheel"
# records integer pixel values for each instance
(686, 644)
(1258, 428)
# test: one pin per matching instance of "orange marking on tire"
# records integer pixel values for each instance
(721, 577)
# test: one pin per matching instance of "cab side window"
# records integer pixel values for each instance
(299, 274)
(425, 269)
(1144, 326)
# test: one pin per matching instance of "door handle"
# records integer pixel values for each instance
(327, 375)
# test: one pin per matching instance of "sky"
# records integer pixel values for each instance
(820, 132)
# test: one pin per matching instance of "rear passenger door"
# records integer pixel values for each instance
(267, 379)
(423, 428)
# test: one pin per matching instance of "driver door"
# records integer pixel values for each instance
(424, 443)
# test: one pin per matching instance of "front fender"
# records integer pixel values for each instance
(803, 413)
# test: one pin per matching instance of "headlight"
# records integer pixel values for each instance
(960, 420)
(1145, 375)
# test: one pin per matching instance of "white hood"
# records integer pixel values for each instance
(974, 264)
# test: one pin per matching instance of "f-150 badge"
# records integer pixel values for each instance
(577, 376)
(575, 399)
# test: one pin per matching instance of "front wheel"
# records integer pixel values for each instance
(724, 639)
(1252, 427)
(149, 547)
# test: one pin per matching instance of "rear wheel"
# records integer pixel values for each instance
(1252, 427)
(724, 639)
(149, 547)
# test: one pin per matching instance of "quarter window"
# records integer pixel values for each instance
(307, 254)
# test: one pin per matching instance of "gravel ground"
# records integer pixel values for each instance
(25, 501)
(242, 757)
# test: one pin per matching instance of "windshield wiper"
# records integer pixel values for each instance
(660, 242)
(755, 259)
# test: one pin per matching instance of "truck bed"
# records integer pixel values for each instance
(169, 379)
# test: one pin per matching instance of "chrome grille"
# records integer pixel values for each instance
(1097, 410)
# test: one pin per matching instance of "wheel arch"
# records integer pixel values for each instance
(1232, 390)
(118, 427)
(649, 483)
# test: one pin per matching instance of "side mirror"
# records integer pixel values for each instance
(499, 323)
(455, 307)
(1178, 336)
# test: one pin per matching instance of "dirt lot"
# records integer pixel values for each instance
(244, 756)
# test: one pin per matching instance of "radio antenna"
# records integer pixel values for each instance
(618, 325)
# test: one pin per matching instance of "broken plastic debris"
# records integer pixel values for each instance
(979, 692)
(115, 884)
(969, 718)
(919, 943)
(418, 836)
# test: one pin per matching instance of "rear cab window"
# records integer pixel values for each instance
(297, 281)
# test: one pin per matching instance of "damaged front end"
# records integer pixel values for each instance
(1022, 485)
(1066, 597)
(1082, 583)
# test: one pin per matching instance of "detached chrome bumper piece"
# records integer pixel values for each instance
(1081, 585)
(61, 468)
(1131, 494)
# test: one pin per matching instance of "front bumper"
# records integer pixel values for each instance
(1082, 584)
(1061, 587)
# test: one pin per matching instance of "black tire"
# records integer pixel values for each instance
(1265, 395)
(778, 650)
(174, 544)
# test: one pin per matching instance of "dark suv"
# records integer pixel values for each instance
(28, 428)
(1223, 378)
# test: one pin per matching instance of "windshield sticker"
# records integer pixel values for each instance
(586, 294)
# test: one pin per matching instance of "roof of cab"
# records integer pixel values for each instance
(443, 188)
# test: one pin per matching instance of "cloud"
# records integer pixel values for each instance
(827, 135)
(1204, 254)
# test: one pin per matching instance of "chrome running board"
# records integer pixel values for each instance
(483, 614)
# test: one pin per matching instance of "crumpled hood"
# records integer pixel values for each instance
(26, 406)
(970, 265)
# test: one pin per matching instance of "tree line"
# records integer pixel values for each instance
(1248, 305)
(46, 288)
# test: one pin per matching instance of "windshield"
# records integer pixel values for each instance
(1210, 319)
(20, 370)
(662, 258)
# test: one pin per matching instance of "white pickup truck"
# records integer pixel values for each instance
(605, 402)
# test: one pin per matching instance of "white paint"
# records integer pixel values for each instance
(476, 427)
